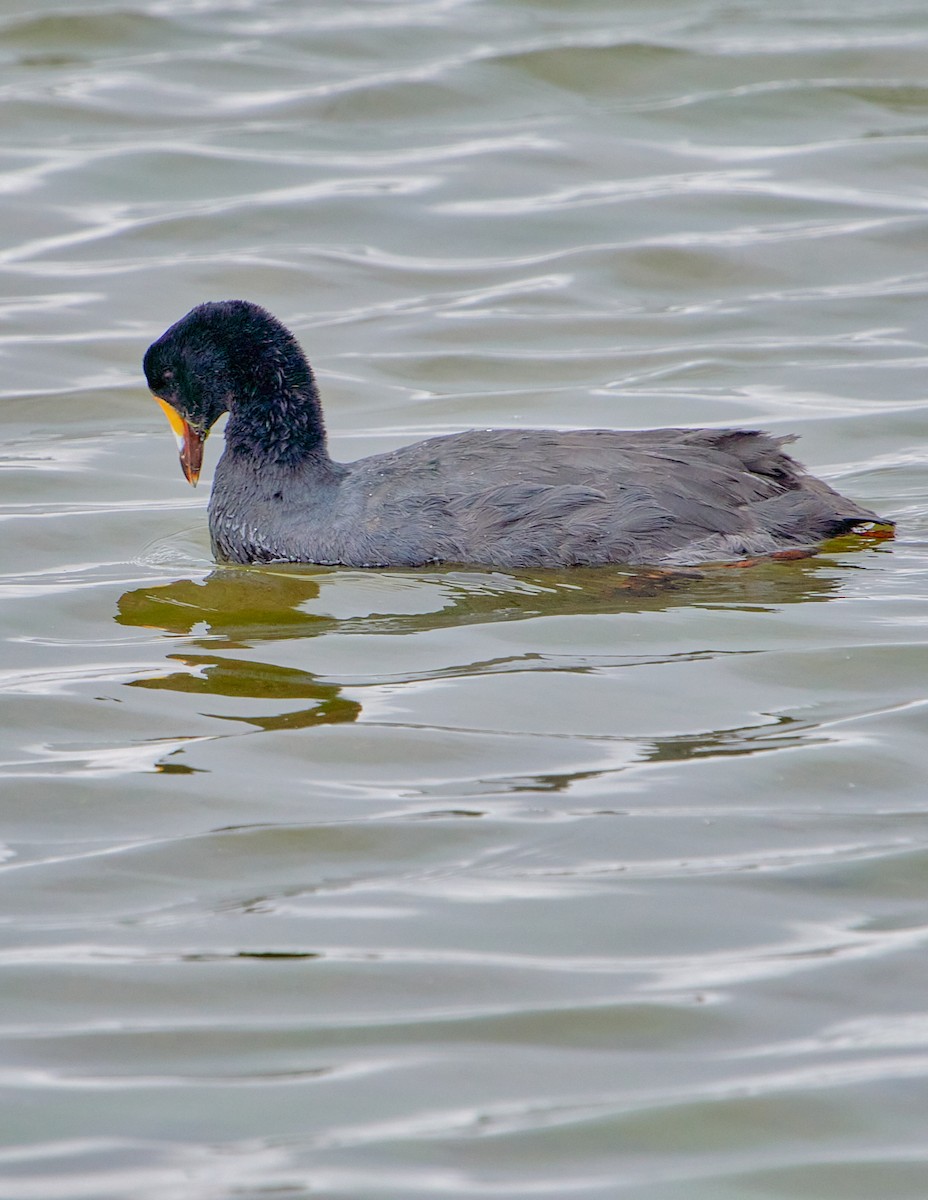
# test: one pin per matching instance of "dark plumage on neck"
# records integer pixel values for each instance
(274, 411)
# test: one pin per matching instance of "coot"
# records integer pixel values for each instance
(498, 498)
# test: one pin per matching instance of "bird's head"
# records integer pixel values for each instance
(197, 368)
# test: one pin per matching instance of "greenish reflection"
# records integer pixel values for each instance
(241, 608)
(237, 608)
(783, 732)
(260, 681)
(234, 609)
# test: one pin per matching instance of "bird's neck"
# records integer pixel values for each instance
(275, 415)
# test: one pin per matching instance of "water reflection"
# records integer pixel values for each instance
(237, 609)
(779, 733)
(784, 732)
(213, 676)
(232, 607)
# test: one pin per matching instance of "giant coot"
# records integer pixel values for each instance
(497, 497)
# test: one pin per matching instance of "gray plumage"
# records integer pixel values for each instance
(502, 498)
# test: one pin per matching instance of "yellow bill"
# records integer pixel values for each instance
(189, 442)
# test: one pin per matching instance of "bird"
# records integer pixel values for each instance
(494, 498)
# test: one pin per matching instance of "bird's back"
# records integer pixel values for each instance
(534, 498)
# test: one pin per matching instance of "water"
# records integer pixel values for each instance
(451, 882)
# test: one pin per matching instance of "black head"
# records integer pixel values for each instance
(234, 356)
(205, 360)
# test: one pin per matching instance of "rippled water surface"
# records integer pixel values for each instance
(456, 883)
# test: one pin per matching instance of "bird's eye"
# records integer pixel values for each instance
(167, 375)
